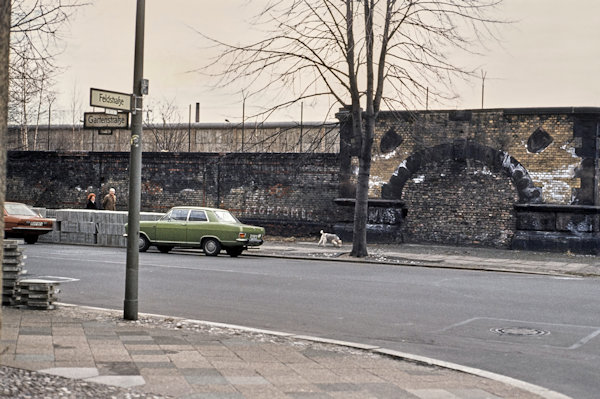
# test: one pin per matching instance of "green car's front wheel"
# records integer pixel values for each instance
(143, 243)
(211, 247)
(164, 248)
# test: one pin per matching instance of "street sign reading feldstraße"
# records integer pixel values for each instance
(100, 120)
(110, 99)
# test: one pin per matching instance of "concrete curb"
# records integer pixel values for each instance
(415, 263)
(535, 389)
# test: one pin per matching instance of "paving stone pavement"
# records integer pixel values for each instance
(168, 357)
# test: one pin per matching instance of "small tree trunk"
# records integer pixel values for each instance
(24, 130)
(361, 208)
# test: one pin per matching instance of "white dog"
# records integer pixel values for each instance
(328, 237)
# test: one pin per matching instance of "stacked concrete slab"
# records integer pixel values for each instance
(12, 269)
(90, 227)
(39, 293)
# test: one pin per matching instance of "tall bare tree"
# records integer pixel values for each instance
(4, 51)
(35, 41)
(164, 124)
(363, 53)
(76, 112)
(44, 93)
(28, 85)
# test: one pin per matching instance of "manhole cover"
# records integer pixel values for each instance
(519, 331)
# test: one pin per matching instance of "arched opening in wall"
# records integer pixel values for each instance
(460, 202)
(461, 193)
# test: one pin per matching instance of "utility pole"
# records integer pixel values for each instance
(243, 120)
(483, 75)
(301, 123)
(130, 308)
(597, 170)
(49, 117)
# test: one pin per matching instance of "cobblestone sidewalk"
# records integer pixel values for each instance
(79, 352)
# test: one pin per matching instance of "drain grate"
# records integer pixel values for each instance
(519, 331)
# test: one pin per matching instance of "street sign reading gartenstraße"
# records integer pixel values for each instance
(110, 99)
(100, 120)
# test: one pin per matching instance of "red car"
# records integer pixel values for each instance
(20, 221)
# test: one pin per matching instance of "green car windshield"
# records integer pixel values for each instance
(176, 214)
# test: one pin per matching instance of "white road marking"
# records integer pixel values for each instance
(122, 262)
(585, 340)
(577, 345)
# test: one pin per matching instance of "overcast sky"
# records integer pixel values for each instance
(550, 56)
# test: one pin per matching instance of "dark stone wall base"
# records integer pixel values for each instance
(376, 233)
(287, 228)
(555, 241)
(558, 228)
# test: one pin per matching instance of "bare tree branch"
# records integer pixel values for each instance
(35, 41)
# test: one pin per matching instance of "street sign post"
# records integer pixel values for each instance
(101, 120)
(110, 100)
(130, 304)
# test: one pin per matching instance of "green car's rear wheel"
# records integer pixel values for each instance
(234, 252)
(143, 243)
(211, 247)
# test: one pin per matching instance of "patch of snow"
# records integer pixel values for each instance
(484, 171)
(389, 155)
(375, 182)
(571, 151)
(556, 191)
(402, 165)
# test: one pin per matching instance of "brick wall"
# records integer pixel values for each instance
(460, 172)
(555, 166)
(451, 169)
(290, 194)
(460, 203)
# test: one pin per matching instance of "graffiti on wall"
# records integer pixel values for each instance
(280, 212)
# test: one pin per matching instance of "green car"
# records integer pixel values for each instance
(199, 227)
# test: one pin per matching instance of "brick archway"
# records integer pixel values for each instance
(462, 150)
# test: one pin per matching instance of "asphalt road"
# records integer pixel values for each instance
(540, 329)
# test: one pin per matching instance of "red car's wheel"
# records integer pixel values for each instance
(31, 239)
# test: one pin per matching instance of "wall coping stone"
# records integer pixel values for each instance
(588, 209)
(508, 111)
(372, 202)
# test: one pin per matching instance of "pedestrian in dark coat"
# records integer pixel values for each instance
(91, 201)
